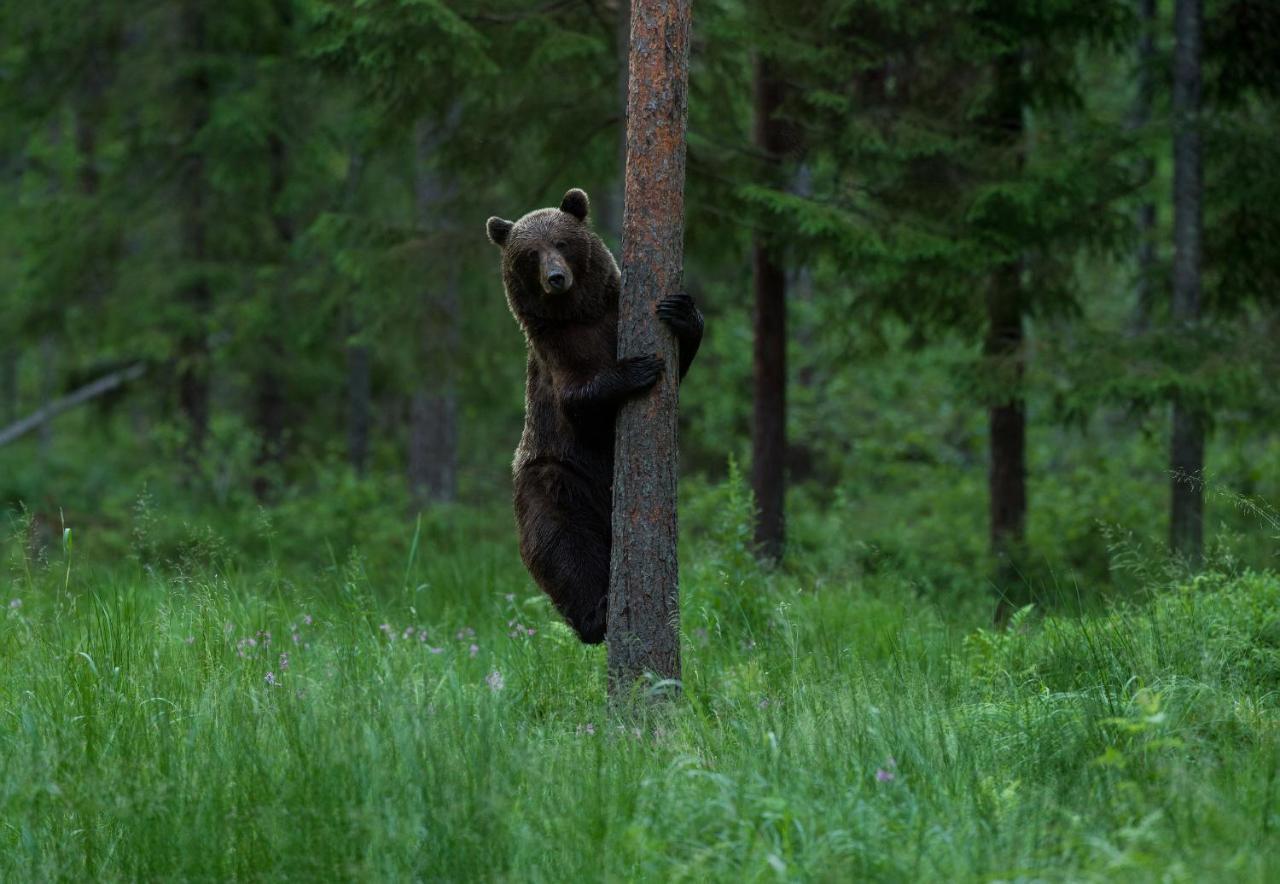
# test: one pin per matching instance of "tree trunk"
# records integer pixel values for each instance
(193, 346)
(359, 354)
(8, 385)
(644, 605)
(269, 418)
(1146, 215)
(1003, 350)
(433, 408)
(1186, 525)
(359, 392)
(612, 215)
(270, 399)
(48, 387)
(769, 428)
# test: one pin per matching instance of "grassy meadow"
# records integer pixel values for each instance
(186, 702)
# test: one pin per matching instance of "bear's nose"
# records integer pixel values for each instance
(555, 279)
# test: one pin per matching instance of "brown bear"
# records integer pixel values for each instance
(562, 286)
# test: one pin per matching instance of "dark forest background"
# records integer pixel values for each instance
(992, 289)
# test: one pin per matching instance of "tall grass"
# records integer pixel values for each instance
(213, 720)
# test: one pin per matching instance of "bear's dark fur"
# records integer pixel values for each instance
(562, 287)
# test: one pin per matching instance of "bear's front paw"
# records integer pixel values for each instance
(680, 312)
(640, 372)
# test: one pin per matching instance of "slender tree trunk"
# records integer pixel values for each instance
(193, 346)
(433, 408)
(359, 393)
(359, 354)
(1146, 215)
(769, 428)
(9, 384)
(270, 404)
(1003, 350)
(612, 214)
(1186, 526)
(644, 600)
(48, 388)
(270, 398)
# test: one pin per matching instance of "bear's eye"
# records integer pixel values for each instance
(561, 245)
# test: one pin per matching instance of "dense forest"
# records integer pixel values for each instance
(978, 459)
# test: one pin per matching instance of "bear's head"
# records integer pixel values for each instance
(554, 267)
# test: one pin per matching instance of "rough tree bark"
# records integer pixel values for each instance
(769, 428)
(644, 605)
(1003, 349)
(193, 347)
(1186, 524)
(433, 405)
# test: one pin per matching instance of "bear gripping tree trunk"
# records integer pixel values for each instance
(643, 573)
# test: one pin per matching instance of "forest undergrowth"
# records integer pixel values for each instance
(185, 711)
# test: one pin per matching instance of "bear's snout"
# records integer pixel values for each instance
(556, 276)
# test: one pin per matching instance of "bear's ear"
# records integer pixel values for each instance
(575, 203)
(498, 230)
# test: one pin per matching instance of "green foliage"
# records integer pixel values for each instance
(239, 715)
(324, 167)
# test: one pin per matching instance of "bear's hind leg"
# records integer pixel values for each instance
(573, 569)
(565, 534)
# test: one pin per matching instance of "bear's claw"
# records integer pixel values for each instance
(680, 312)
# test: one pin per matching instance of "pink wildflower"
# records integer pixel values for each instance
(495, 681)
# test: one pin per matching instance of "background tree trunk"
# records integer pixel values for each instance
(270, 397)
(769, 428)
(193, 345)
(48, 388)
(611, 216)
(8, 385)
(644, 607)
(1186, 524)
(433, 405)
(359, 354)
(1003, 350)
(359, 393)
(1146, 215)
